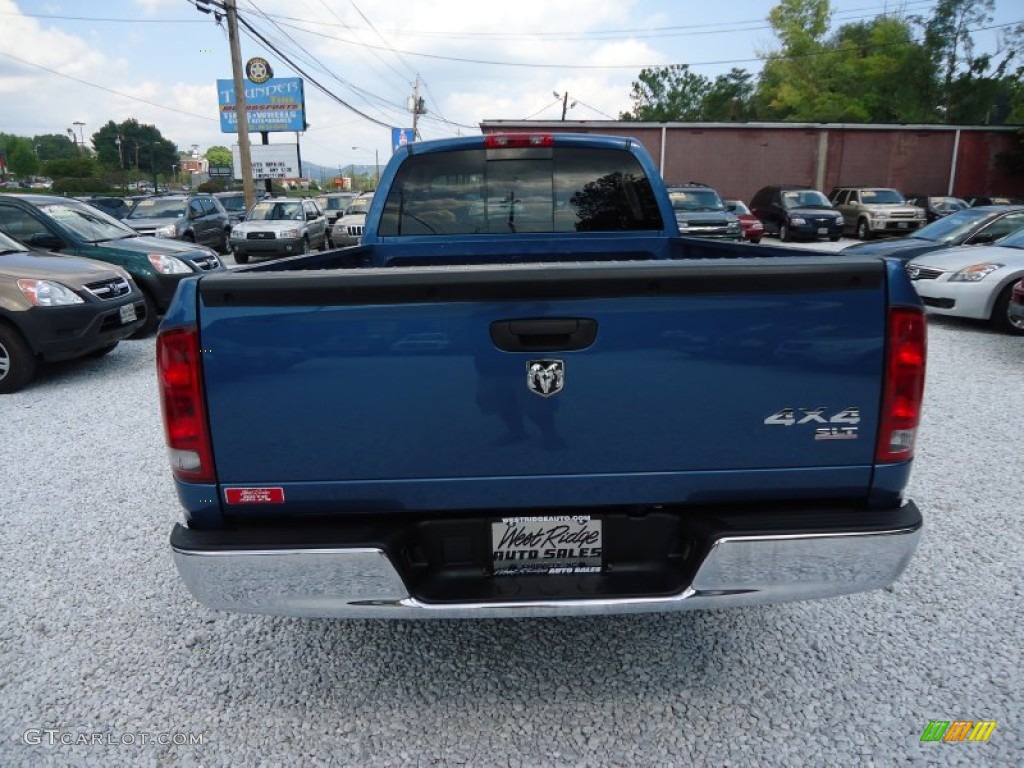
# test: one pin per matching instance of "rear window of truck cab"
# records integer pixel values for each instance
(520, 190)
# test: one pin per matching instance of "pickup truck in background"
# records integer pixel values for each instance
(524, 394)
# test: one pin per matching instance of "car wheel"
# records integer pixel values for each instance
(225, 246)
(784, 234)
(834, 238)
(152, 319)
(188, 237)
(17, 363)
(305, 245)
(241, 257)
(1001, 319)
(755, 240)
(863, 232)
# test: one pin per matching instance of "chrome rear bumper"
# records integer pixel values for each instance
(363, 582)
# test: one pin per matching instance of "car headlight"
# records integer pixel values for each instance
(289, 233)
(168, 265)
(734, 226)
(798, 220)
(168, 230)
(975, 272)
(46, 293)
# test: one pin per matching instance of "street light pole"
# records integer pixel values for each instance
(81, 133)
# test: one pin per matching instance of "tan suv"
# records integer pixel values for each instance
(868, 211)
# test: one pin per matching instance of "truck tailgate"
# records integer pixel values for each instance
(559, 384)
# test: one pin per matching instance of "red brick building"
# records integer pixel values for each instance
(740, 158)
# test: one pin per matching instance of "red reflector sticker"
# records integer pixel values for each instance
(254, 495)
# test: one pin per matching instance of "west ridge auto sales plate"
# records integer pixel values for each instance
(547, 545)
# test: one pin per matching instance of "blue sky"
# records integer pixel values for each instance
(157, 61)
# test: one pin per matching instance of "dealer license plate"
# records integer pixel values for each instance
(557, 544)
(902, 225)
(822, 230)
(127, 314)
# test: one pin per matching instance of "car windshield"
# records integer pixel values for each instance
(948, 204)
(233, 203)
(876, 196)
(695, 200)
(333, 203)
(91, 224)
(359, 206)
(158, 209)
(268, 211)
(804, 198)
(738, 207)
(953, 227)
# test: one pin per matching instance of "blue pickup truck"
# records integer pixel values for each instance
(524, 394)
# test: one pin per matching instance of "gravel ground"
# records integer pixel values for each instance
(101, 643)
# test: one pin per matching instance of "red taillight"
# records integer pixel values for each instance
(904, 385)
(181, 396)
(509, 140)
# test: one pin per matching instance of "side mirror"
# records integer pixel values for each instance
(45, 241)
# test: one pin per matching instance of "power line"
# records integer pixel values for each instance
(105, 88)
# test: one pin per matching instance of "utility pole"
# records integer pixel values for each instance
(241, 113)
(417, 106)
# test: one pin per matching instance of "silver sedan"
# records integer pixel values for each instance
(973, 282)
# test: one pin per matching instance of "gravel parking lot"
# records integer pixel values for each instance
(105, 659)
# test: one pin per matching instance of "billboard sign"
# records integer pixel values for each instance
(270, 161)
(279, 104)
(401, 136)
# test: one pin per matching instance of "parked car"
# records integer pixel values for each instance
(118, 207)
(348, 229)
(234, 205)
(193, 218)
(700, 212)
(935, 207)
(71, 227)
(869, 211)
(59, 308)
(279, 227)
(333, 204)
(753, 229)
(791, 211)
(971, 226)
(1016, 309)
(979, 200)
(972, 282)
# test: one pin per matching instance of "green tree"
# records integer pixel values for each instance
(80, 167)
(21, 159)
(969, 87)
(218, 155)
(667, 94)
(53, 146)
(730, 97)
(134, 145)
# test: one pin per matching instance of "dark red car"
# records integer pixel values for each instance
(1016, 307)
(753, 229)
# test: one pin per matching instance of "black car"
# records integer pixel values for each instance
(937, 206)
(234, 204)
(793, 211)
(118, 207)
(194, 218)
(70, 227)
(970, 226)
(59, 308)
(976, 201)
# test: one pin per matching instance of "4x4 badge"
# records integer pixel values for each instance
(545, 377)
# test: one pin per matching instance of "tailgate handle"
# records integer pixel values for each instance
(544, 334)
